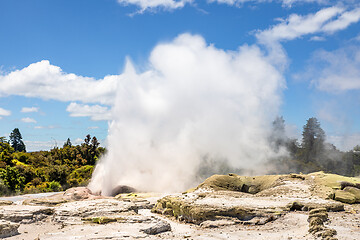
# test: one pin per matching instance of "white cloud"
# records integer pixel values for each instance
(344, 142)
(95, 112)
(336, 71)
(29, 109)
(28, 120)
(285, 3)
(47, 81)
(343, 21)
(168, 5)
(155, 4)
(317, 39)
(327, 20)
(93, 127)
(4, 112)
(195, 100)
(45, 127)
(41, 145)
(78, 141)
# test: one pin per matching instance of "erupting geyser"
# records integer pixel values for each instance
(194, 100)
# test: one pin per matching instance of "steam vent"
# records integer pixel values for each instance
(294, 206)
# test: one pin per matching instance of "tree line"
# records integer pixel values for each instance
(313, 153)
(46, 171)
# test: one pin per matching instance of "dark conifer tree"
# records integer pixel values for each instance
(312, 141)
(16, 141)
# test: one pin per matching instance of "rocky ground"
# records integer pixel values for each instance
(313, 206)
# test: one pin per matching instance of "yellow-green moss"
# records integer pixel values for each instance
(99, 220)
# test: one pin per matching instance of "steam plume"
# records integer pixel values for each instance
(194, 100)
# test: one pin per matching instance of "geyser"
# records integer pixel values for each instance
(194, 100)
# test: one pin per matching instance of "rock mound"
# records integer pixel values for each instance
(259, 199)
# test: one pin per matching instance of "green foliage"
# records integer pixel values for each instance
(12, 179)
(80, 176)
(55, 186)
(6, 152)
(47, 171)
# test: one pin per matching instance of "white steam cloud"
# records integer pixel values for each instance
(195, 100)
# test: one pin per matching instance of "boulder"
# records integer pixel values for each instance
(345, 197)
(158, 228)
(345, 184)
(77, 193)
(122, 189)
(8, 229)
(355, 191)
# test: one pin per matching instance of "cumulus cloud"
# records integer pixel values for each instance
(195, 100)
(47, 81)
(336, 71)
(28, 120)
(29, 109)
(95, 112)
(327, 20)
(4, 112)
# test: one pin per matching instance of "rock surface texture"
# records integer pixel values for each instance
(295, 206)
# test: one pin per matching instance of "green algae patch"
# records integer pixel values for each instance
(99, 220)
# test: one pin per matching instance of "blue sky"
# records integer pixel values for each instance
(61, 61)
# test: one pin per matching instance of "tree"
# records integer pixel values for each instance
(67, 143)
(278, 136)
(6, 152)
(312, 141)
(94, 143)
(87, 139)
(16, 141)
